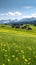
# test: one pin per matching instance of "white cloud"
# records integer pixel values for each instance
(10, 15)
(30, 16)
(17, 13)
(27, 16)
(34, 15)
(27, 7)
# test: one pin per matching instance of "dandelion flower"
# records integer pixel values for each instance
(1, 44)
(30, 48)
(4, 44)
(13, 56)
(8, 60)
(16, 59)
(23, 57)
(26, 60)
(29, 58)
(28, 63)
(35, 56)
(22, 51)
(3, 64)
(17, 50)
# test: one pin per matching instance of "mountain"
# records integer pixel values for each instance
(9, 21)
(12, 21)
(4, 21)
(27, 21)
(21, 21)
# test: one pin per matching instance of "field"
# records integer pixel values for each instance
(17, 46)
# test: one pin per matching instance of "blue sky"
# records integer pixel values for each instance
(17, 9)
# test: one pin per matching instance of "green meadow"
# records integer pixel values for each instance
(17, 46)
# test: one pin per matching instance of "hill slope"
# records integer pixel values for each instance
(17, 46)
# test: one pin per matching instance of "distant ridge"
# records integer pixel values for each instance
(21, 21)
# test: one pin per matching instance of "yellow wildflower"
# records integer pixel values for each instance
(4, 44)
(16, 58)
(1, 44)
(29, 48)
(23, 57)
(26, 60)
(13, 56)
(17, 50)
(3, 64)
(35, 56)
(22, 51)
(28, 63)
(29, 58)
(8, 60)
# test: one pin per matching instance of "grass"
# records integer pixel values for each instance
(17, 46)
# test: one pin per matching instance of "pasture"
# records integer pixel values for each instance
(17, 46)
